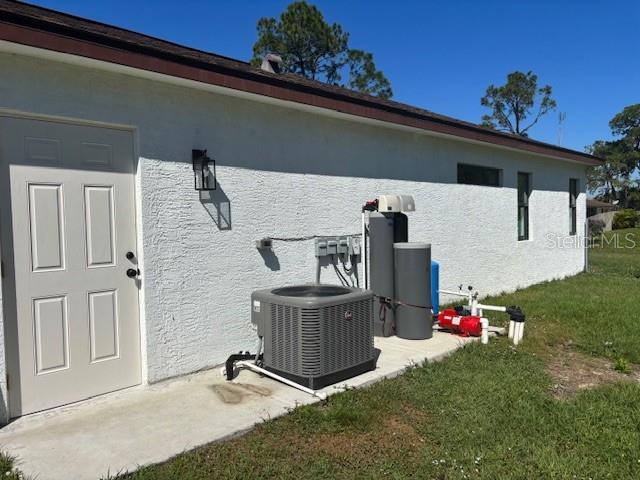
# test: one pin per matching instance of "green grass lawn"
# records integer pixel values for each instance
(596, 312)
(487, 412)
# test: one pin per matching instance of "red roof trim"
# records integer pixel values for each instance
(173, 60)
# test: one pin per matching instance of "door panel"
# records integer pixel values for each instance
(72, 221)
(103, 323)
(42, 149)
(47, 232)
(51, 330)
(98, 207)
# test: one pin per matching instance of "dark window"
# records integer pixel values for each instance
(573, 200)
(524, 191)
(477, 175)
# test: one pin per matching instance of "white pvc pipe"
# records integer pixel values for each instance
(484, 338)
(255, 368)
(258, 350)
(365, 252)
(452, 292)
(318, 270)
(491, 307)
(517, 333)
(512, 327)
(496, 330)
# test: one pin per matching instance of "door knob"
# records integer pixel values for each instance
(130, 255)
(133, 272)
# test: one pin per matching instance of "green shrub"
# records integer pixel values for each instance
(626, 218)
(622, 365)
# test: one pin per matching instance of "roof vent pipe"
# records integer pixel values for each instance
(271, 63)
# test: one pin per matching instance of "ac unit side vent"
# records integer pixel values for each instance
(285, 337)
(311, 341)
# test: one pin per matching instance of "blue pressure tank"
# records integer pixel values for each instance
(435, 286)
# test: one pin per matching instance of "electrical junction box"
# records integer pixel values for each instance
(354, 246)
(338, 245)
(264, 244)
(321, 247)
(396, 203)
(343, 246)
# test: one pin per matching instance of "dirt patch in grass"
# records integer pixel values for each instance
(395, 437)
(573, 372)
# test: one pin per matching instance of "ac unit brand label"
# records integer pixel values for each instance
(348, 315)
(256, 306)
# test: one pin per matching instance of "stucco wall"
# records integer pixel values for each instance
(288, 173)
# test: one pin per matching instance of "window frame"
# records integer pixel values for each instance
(479, 169)
(523, 206)
(574, 191)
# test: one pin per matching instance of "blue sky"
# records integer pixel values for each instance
(439, 55)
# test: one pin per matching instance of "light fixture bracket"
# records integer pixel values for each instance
(204, 171)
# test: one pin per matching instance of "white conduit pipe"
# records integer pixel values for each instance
(258, 350)
(318, 270)
(512, 326)
(365, 251)
(255, 368)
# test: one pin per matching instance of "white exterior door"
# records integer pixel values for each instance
(72, 311)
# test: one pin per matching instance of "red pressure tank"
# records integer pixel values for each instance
(465, 325)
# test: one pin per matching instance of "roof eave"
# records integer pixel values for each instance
(79, 42)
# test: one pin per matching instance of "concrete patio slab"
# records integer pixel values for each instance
(148, 424)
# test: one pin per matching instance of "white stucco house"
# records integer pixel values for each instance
(97, 128)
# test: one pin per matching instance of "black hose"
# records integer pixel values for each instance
(343, 280)
(348, 271)
(229, 364)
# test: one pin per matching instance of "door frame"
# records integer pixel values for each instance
(10, 404)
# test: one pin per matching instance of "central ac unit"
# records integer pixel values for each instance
(315, 335)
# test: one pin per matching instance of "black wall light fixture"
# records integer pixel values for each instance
(204, 170)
